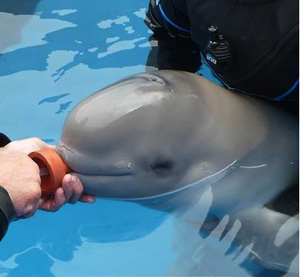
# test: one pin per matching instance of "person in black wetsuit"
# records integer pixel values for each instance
(250, 45)
(20, 193)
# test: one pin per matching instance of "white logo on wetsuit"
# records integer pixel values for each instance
(211, 58)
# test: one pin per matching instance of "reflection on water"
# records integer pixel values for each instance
(54, 21)
(99, 233)
(52, 55)
(244, 243)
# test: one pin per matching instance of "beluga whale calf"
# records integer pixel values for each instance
(162, 139)
(153, 134)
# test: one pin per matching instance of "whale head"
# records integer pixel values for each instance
(147, 135)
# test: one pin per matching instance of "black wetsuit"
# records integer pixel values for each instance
(250, 45)
(7, 210)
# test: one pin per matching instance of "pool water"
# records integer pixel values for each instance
(53, 54)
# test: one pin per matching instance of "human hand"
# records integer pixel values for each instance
(19, 175)
(71, 190)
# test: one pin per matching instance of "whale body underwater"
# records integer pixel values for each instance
(162, 138)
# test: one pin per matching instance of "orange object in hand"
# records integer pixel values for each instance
(52, 169)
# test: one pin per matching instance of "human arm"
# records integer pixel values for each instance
(20, 192)
(71, 189)
(7, 211)
(20, 188)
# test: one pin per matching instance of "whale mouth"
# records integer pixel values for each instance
(106, 174)
(120, 169)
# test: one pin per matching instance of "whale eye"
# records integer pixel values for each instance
(161, 167)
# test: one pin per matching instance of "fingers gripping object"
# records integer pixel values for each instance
(52, 169)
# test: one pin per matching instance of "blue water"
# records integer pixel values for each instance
(52, 55)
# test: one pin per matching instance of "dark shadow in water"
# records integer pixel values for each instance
(53, 99)
(18, 6)
(45, 236)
